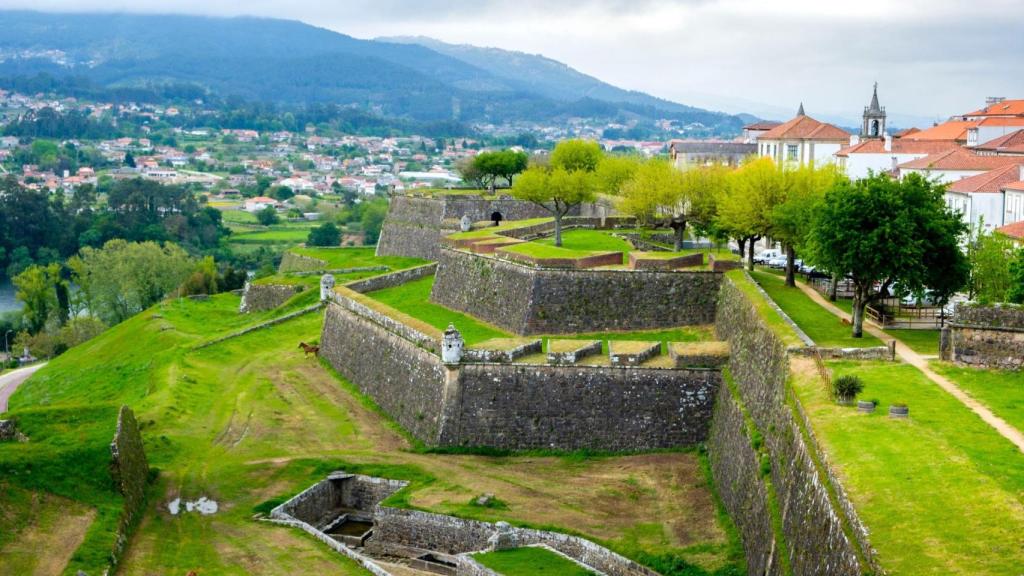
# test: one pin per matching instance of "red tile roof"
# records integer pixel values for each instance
(1018, 186)
(959, 159)
(1012, 142)
(1004, 108)
(992, 181)
(805, 128)
(899, 146)
(1001, 122)
(952, 130)
(1015, 230)
(762, 125)
(906, 132)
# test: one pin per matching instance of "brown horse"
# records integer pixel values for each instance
(309, 349)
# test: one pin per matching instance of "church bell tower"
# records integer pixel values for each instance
(874, 118)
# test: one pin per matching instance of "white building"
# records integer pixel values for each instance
(884, 155)
(802, 140)
(259, 203)
(981, 199)
(955, 164)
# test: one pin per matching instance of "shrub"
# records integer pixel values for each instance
(267, 216)
(847, 386)
(324, 235)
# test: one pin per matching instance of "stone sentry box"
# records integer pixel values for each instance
(985, 336)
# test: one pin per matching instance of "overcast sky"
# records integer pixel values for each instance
(931, 58)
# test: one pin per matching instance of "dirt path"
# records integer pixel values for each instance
(9, 382)
(921, 363)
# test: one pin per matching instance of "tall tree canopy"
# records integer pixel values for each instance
(746, 204)
(884, 233)
(793, 217)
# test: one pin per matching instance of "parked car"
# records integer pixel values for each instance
(777, 262)
(765, 255)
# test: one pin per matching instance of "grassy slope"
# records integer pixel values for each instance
(1001, 390)
(250, 420)
(527, 561)
(821, 325)
(940, 492)
(924, 342)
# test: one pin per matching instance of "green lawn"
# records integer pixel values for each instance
(251, 421)
(924, 342)
(939, 492)
(357, 257)
(493, 230)
(413, 298)
(539, 250)
(590, 240)
(777, 323)
(238, 216)
(285, 235)
(1001, 390)
(821, 325)
(530, 560)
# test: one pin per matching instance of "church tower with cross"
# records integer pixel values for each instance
(874, 118)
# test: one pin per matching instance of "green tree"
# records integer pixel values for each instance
(372, 219)
(614, 172)
(326, 234)
(123, 278)
(792, 219)
(884, 233)
(1015, 293)
(746, 204)
(37, 291)
(577, 155)
(499, 164)
(203, 279)
(268, 216)
(556, 190)
(990, 255)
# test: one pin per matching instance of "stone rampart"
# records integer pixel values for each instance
(820, 535)
(987, 336)
(576, 407)
(512, 406)
(393, 279)
(260, 297)
(129, 470)
(528, 300)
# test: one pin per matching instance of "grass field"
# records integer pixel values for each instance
(238, 217)
(531, 560)
(250, 420)
(925, 342)
(273, 236)
(940, 491)
(821, 325)
(1001, 390)
(590, 240)
(357, 257)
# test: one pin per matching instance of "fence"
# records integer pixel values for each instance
(893, 313)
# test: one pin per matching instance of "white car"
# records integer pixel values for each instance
(765, 255)
(777, 262)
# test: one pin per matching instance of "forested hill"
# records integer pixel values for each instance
(289, 62)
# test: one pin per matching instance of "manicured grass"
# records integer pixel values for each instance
(940, 492)
(775, 322)
(357, 257)
(821, 325)
(924, 342)
(538, 250)
(292, 235)
(1001, 390)
(413, 298)
(589, 240)
(239, 216)
(250, 420)
(530, 560)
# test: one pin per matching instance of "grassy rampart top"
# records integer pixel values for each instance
(778, 325)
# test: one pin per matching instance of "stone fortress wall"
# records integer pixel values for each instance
(528, 300)
(985, 336)
(798, 509)
(415, 225)
(512, 406)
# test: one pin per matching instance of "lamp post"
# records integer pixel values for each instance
(7, 346)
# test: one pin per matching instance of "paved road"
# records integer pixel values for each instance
(10, 381)
(921, 363)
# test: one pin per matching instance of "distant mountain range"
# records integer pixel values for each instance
(289, 62)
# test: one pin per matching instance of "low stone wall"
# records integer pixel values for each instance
(260, 326)
(986, 336)
(450, 535)
(292, 262)
(819, 534)
(260, 297)
(526, 300)
(867, 353)
(318, 504)
(687, 261)
(129, 470)
(391, 280)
